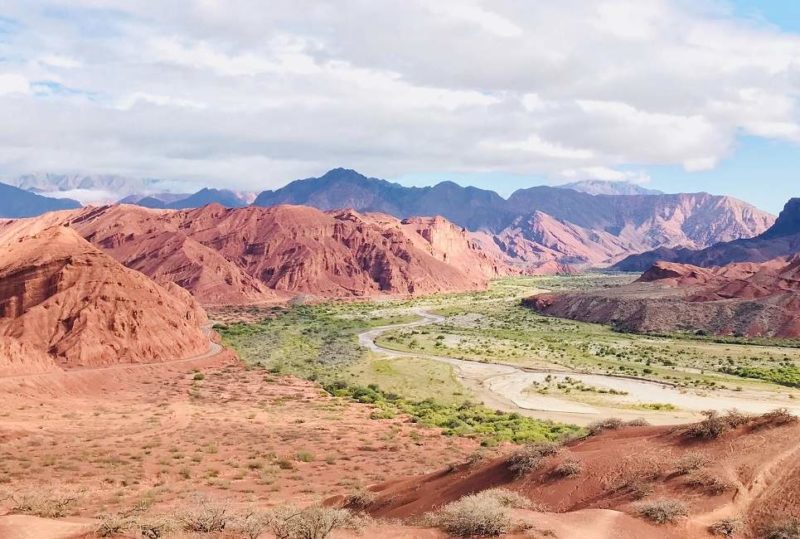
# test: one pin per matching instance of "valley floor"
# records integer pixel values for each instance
(260, 431)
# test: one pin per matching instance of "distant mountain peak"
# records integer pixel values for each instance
(788, 222)
(16, 202)
(605, 187)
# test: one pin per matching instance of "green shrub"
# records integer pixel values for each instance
(466, 419)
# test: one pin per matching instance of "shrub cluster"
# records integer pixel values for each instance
(466, 419)
(715, 424)
(662, 511)
(531, 456)
(727, 527)
(482, 514)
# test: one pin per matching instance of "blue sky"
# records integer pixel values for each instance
(680, 95)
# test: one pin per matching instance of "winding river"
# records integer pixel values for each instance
(503, 387)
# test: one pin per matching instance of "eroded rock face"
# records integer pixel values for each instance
(782, 239)
(749, 299)
(66, 304)
(254, 254)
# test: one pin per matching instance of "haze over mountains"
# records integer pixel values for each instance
(16, 202)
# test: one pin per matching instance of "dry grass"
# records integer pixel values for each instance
(570, 467)
(690, 462)
(310, 523)
(709, 483)
(205, 516)
(359, 500)
(44, 503)
(637, 474)
(611, 423)
(716, 424)
(482, 514)
(531, 457)
(784, 529)
(662, 511)
(727, 527)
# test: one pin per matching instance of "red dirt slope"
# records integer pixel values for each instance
(65, 304)
(750, 472)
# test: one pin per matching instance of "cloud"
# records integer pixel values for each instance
(239, 95)
(13, 84)
(606, 174)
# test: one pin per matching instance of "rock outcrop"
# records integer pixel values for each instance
(254, 254)
(745, 299)
(65, 304)
(780, 240)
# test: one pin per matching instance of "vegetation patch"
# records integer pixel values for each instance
(662, 511)
(786, 375)
(479, 515)
(465, 419)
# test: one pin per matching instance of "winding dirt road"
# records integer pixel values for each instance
(503, 386)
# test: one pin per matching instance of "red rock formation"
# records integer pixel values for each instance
(752, 299)
(254, 254)
(65, 304)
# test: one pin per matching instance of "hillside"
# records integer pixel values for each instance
(595, 229)
(743, 474)
(744, 299)
(252, 255)
(781, 239)
(65, 304)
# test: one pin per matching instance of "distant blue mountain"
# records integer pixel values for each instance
(15, 202)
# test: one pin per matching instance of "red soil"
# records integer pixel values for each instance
(758, 464)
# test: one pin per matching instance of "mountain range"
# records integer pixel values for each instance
(15, 202)
(543, 225)
(251, 255)
(781, 239)
(546, 229)
(604, 187)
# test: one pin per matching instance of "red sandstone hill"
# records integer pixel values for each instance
(254, 254)
(752, 299)
(65, 304)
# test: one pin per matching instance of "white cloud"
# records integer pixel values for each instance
(57, 60)
(538, 147)
(606, 174)
(12, 83)
(476, 15)
(245, 95)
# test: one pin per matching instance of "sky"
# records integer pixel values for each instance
(678, 95)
